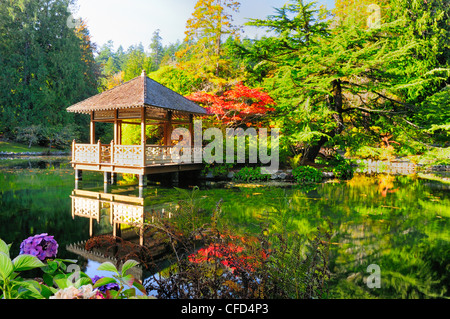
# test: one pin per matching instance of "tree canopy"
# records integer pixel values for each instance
(366, 74)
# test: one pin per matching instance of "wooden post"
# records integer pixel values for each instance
(141, 180)
(143, 135)
(91, 226)
(99, 145)
(73, 150)
(116, 126)
(168, 130)
(106, 178)
(119, 141)
(141, 236)
(92, 133)
(191, 128)
(78, 175)
(112, 152)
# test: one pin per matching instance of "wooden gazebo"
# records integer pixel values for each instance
(140, 101)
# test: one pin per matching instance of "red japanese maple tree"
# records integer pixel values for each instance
(237, 107)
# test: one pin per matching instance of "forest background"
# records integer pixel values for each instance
(369, 78)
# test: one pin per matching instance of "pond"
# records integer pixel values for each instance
(397, 223)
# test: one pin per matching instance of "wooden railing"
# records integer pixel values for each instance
(126, 155)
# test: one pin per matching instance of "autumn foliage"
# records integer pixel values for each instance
(231, 256)
(236, 107)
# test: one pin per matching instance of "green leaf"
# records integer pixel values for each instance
(4, 248)
(46, 292)
(51, 267)
(61, 281)
(6, 266)
(112, 294)
(83, 281)
(130, 292)
(108, 266)
(26, 262)
(104, 281)
(30, 289)
(139, 286)
(127, 280)
(129, 264)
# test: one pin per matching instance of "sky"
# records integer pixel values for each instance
(130, 22)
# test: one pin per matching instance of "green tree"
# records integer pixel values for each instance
(136, 61)
(157, 50)
(205, 31)
(45, 63)
(328, 76)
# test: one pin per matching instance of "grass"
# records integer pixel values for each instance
(21, 148)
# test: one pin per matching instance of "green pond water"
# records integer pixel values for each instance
(399, 223)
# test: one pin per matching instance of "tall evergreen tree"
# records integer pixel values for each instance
(327, 76)
(205, 32)
(157, 50)
(45, 63)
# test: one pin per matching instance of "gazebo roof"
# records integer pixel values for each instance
(138, 92)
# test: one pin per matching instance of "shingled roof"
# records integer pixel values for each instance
(138, 92)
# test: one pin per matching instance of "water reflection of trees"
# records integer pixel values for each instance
(396, 222)
(392, 223)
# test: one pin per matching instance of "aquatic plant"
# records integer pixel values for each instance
(249, 174)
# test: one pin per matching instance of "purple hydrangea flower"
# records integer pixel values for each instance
(104, 288)
(42, 246)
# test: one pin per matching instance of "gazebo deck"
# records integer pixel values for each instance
(129, 159)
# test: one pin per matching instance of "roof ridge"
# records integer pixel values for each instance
(144, 75)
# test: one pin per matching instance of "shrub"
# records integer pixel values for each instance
(307, 174)
(58, 282)
(342, 168)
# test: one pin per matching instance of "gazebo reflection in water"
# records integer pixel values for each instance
(120, 224)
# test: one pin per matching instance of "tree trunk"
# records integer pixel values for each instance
(311, 152)
(334, 104)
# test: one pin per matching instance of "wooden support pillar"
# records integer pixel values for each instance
(106, 178)
(91, 227)
(168, 129)
(119, 139)
(143, 135)
(175, 178)
(142, 179)
(191, 128)
(92, 131)
(141, 236)
(143, 128)
(78, 175)
(116, 127)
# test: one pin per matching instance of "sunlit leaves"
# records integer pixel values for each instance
(241, 105)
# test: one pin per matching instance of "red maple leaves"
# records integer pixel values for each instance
(236, 107)
(232, 256)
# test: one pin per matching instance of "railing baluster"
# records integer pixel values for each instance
(99, 144)
(112, 153)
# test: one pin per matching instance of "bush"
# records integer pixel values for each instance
(307, 174)
(249, 174)
(58, 281)
(58, 136)
(341, 167)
